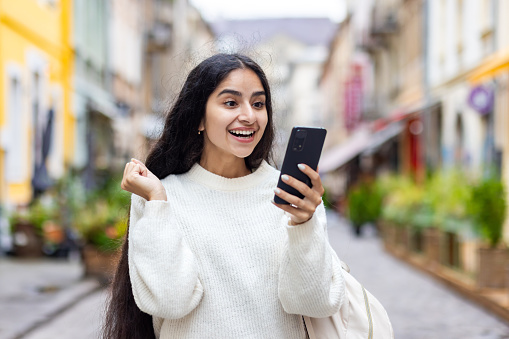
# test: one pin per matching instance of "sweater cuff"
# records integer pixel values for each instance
(302, 233)
(157, 209)
(156, 213)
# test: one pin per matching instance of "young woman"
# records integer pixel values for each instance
(208, 253)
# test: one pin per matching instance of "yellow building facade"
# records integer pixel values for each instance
(36, 119)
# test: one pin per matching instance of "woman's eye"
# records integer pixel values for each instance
(230, 103)
(259, 104)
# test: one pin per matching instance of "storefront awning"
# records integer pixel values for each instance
(341, 154)
(363, 141)
(379, 138)
(491, 67)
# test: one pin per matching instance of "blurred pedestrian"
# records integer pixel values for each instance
(208, 253)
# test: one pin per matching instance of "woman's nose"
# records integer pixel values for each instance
(247, 114)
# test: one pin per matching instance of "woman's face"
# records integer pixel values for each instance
(235, 116)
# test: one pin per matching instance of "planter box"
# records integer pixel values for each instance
(396, 237)
(403, 238)
(388, 234)
(450, 249)
(100, 264)
(469, 255)
(431, 245)
(492, 265)
(27, 242)
(416, 240)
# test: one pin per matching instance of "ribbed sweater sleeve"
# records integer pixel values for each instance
(163, 270)
(310, 277)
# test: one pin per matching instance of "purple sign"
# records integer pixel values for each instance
(481, 99)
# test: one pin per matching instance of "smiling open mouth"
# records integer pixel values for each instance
(242, 134)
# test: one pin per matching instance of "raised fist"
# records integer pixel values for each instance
(139, 180)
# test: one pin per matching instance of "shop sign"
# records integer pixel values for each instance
(353, 99)
(481, 98)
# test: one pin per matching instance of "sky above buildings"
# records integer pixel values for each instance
(246, 9)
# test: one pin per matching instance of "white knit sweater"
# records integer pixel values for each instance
(218, 260)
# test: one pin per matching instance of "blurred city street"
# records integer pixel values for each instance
(419, 307)
(413, 94)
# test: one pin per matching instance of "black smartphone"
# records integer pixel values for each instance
(304, 147)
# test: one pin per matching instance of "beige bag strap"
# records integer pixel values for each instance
(309, 327)
(307, 320)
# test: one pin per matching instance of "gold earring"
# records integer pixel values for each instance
(199, 132)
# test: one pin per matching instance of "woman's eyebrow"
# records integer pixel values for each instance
(255, 94)
(230, 91)
(238, 94)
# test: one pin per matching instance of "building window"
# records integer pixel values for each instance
(15, 149)
(36, 116)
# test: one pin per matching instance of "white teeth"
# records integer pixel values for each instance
(243, 133)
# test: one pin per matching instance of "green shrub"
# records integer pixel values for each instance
(364, 203)
(448, 193)
(402, 199)
(36, 214)
(441, 201)
(487, 207)
(423, 216)
(101, 218)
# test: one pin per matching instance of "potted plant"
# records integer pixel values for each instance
(488, 210)
(36, 227)
(364, 205)
(391, 215)
(102, 223)
(421, 221)
(448, 193)
(402, 200)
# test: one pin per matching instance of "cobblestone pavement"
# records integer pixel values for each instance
(419, 306)
(32, 291)
(82, 321)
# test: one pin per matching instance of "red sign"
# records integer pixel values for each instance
(353, 99)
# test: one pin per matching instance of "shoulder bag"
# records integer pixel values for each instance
(361, 316)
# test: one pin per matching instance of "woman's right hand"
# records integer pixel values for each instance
(139, 180)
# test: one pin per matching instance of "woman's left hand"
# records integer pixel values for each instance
(301, 210)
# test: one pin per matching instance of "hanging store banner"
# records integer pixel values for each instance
(353, 98)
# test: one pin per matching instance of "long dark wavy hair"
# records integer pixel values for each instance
(178, 149)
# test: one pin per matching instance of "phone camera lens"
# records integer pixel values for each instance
(298, 145)
(301, 134)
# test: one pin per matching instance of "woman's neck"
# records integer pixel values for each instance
(227, 168)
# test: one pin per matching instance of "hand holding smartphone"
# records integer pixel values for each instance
(304, 147)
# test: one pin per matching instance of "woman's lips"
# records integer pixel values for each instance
(243, 139)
